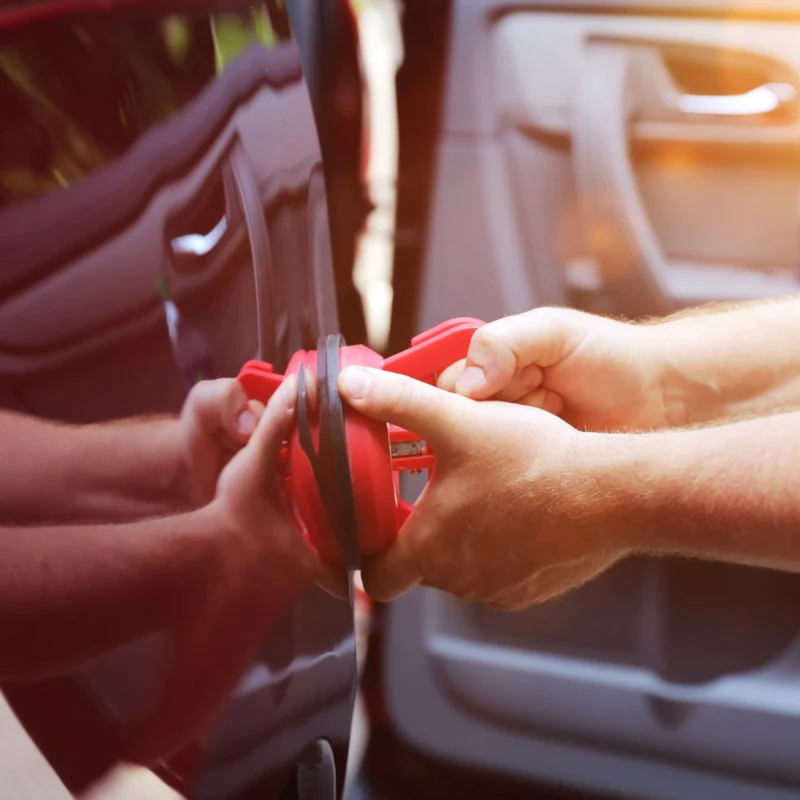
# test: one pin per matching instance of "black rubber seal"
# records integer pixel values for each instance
(331, 461)
(333, 443)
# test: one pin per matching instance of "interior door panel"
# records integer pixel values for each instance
(610, 94)
(633, 159)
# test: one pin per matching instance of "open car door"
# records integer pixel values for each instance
(628, 158)
(165, 177)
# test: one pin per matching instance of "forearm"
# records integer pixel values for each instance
(69, 593)
(112, 471)
(730, 363)
(729, 492)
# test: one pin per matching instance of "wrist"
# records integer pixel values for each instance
(618, 489)
(207, 537)
(215, 525)
(644, 486)
(183, 475)
(671, 353)
(184, 550)
(724, 363)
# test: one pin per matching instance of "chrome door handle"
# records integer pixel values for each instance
(199, 244)
(761, 100)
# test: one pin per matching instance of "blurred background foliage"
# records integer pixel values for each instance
(76, 93)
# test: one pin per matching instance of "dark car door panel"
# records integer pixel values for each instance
(167, 150)
(125, 269)
(164, 218)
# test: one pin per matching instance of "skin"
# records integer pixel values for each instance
(251, 579)
(206, 572)
(600, 374)
(123, 470)
(550, 479)
(117, 530)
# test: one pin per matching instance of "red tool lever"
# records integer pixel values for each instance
(345, 495)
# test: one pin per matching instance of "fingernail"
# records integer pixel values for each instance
(246, 422)
(471, 378)
(357, 382)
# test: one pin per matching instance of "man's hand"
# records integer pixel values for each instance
(596, 373)
(257, 564)
(127, 469)
(214, 579)
(510, 514)
(217, 420)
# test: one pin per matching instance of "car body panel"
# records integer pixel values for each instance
(133, 133)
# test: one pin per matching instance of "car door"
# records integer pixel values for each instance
(164, 217)
(626, 158)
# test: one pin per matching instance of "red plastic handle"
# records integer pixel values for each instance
(374, 469)
(259, 380)
(434, 350)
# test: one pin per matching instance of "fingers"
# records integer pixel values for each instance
(524, 381)
(218, 644)
(400, 568)
(276, 422)
(223, 405)
(544, 399)
(246, 421)
(335, 581)
(394, 572)
(312, 393)
(449, 377)
(543, 337)
(523, 388)
(434, 415)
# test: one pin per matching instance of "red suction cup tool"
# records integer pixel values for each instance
(340, 469)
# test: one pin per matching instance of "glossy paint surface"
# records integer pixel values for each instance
(163, 218)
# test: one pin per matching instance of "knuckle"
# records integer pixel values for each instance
(233, 399)
(495, 348)
(197, 395)
(550, 314)
(491, 337)
(229, 387)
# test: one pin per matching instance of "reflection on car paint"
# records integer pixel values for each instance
(161, 222)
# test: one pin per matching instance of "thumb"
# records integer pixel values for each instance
(431, 413)
(544, 336)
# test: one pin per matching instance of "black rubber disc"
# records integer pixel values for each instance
(331, 461)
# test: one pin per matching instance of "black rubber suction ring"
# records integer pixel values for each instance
(330, 462)
(334, 453)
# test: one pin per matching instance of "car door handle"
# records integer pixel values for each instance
(194, 259)
(762, 100)
(248, 192)
(199, 244)
(624, 81)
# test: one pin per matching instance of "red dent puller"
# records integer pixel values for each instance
(340, 469)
